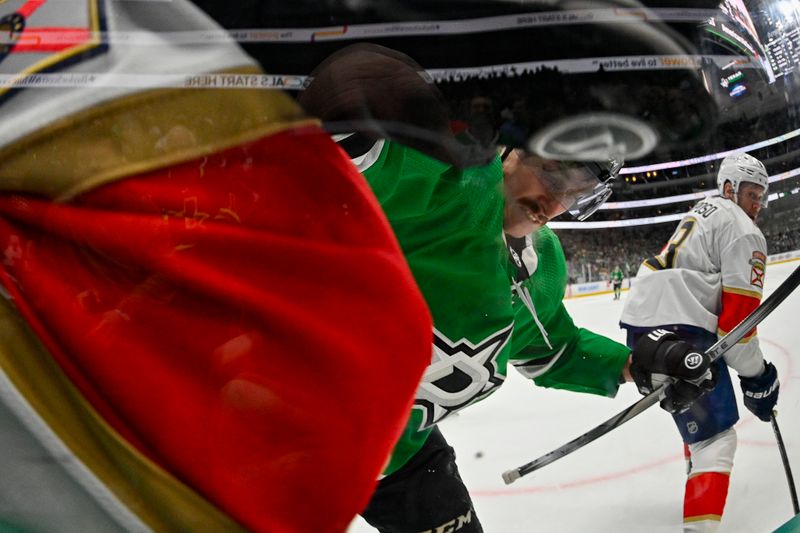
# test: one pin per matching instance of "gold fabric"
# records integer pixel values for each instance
(140, 133)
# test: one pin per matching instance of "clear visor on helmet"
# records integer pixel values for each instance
(605, 173)
(753, 192)
(580, 187)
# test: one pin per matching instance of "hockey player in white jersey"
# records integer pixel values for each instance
(708, 277)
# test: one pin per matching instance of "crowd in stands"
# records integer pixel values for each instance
(592, 254)
(483, 117)
(782, 229)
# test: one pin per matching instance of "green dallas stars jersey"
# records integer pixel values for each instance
(449, 224)
(547, 346)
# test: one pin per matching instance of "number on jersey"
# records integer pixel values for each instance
(666, 259)
(704, 209)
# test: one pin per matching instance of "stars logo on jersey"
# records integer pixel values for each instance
(461, 373)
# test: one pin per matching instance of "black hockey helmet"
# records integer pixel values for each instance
(571, 79)
(585, 83)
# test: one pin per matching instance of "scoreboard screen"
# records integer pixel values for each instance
(779, 22)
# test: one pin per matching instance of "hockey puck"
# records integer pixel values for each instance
(478, 455)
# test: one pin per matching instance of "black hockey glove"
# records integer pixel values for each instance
(661, 357)
(761, 392)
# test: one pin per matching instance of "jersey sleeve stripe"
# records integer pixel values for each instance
(743, 292)
(735, 307)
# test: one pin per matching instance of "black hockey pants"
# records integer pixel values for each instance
(426, 495)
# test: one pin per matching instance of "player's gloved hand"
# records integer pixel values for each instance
(661, 357)
(761, 392)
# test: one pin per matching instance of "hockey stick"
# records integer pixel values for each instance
(714, 352)
(785, 459)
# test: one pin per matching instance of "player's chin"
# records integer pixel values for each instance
(517, 223)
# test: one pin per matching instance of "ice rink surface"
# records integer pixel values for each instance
(631, 479)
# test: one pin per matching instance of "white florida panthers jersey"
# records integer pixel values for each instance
(710, 275)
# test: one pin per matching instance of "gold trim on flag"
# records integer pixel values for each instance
(141, 133)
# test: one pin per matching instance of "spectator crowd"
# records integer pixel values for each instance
(592, 254)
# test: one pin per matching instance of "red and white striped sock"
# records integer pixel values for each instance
(704, 501)
(710, 463)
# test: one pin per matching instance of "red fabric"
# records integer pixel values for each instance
(735, 308)
(246, 320)
(28, 8)
(705, 495)
(37, 40)
(457, 126)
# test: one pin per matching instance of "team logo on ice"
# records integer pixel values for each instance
(461, 373)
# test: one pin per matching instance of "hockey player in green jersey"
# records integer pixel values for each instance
(546, 345)
(470, 234)
(616, 280)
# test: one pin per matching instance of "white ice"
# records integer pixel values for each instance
(631, 479)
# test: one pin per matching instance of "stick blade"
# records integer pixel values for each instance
(510, 476)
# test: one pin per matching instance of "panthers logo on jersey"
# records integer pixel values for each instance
(758, 266)
(461, 373)
(48, 35)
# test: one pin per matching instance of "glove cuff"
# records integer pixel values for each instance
(763, 385)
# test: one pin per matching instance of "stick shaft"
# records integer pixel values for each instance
(785, 459)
